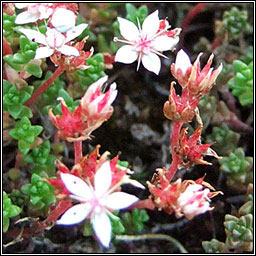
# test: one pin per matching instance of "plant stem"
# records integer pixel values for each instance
(174, 144)
(78, 151)
(43, 87)
(152, 236)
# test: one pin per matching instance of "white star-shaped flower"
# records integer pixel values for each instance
(96, 202)
(53, 41)
(144, 44)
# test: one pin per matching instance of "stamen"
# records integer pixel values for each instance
(115, 39)
(158, 53)
(139, 61)
(139, 25)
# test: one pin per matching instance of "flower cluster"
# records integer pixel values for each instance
(145, 43)
(95, 184)
(94, 109)
(188, 198)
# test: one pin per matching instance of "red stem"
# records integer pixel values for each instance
(78, 151)
(6, 48)
(43, 87)
(191, 14)
(174, 144)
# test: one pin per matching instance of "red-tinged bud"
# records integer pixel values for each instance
(191, 151)
(180, 108)
(94, 109)
(199, 82)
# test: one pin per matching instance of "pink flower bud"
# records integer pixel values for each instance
(96, 105)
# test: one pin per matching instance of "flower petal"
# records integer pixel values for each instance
(126, 54)
(43, 52)
(26, 17)
(128, 29)
(120, 200)
(75, 214)
(68, 50)
(102, 179)
(151, 24)
(32, 34)
(151, 62)
(164, 43)
(75, 32)
(182, 61)
(102, 227)
(76, 186)
(63, 19)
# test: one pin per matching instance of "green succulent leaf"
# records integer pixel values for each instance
(213, 246)
(25, 133)
(40, 192)
(34, 70)
(242, 83)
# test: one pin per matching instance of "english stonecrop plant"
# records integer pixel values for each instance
(89, 189)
